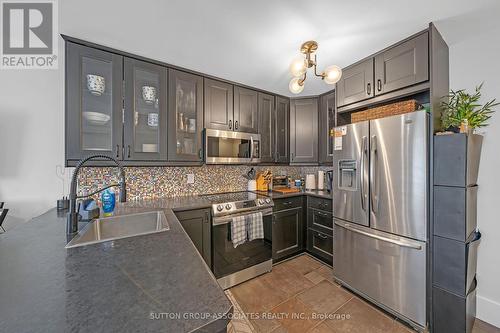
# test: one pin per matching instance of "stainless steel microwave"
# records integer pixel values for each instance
(228, 147)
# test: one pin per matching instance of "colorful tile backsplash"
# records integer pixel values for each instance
(158, 182)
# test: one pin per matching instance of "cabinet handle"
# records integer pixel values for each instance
(236, 125)
(200, 153)
(206, 217)
(321, 236)
(287, 203)
(230, 124)
(128, 148)
(369, 89)
(292, 155)
(379, 85)
(117, 151)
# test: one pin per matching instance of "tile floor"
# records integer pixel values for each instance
(300, 295)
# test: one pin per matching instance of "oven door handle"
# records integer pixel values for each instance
(228, 218)
(251, 148)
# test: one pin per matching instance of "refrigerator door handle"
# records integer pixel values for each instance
(362, 167)
(373, 174)
(403, 243)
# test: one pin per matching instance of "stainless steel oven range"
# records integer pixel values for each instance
(231, 265)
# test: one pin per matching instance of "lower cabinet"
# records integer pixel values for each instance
(320, 244)
(197, 224)
(288, 232)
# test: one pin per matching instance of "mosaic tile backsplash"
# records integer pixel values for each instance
(159, 182)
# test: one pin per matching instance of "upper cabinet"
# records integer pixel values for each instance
(403, 65)
(145, 114)
(94, 103)
(218, 105)
(282, 130)
(266, 127)
(304, 131)
(326, 127)
(356, 83)
(185, 123)
(245, 110)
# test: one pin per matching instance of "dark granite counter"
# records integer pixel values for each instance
(149, 283)
(314, 193)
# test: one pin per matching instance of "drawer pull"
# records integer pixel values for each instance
(322, 236)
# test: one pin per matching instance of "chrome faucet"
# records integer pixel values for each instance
(73, 216)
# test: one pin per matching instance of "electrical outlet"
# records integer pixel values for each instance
(190, 178)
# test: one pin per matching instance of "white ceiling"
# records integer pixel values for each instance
(252, 42)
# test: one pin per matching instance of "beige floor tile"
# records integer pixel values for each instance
(295, 316)
(264, 325)
(326, 272)
(321, 328)
(302, 264)
(324, 297)
(359, 317)
(257, 295)
(287, 280)
(314, 277)
(482, 327)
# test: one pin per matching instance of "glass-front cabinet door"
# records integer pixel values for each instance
(327, 125)
(145, 111)
(185, 95)
(93, 103)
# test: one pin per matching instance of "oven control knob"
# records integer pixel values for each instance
(268, 201)
(220, 208)
(261, 201)
(229, 206)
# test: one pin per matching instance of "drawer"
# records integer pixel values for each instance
(453, 313)
(455, 211)
(320, 203)
(455, 263)
(287, 203)
(320, 220)
(320, 245)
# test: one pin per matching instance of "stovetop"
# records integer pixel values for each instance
(235, 202)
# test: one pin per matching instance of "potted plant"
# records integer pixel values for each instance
(462, 112)
(457, 154)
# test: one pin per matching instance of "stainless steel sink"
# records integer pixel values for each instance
(116, 227)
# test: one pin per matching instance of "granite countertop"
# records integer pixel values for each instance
(146, 283)
(314, 193)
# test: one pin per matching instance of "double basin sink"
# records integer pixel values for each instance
(117, 227)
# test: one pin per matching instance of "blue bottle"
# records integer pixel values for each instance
(108, 201)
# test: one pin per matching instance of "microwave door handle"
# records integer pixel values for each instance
(251, 148)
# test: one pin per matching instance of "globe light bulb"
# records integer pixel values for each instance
(332, 74)
(295, 87)
(298, 66)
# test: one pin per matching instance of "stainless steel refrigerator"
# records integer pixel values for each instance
(380, 194)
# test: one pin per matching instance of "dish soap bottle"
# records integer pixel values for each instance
(108, 201)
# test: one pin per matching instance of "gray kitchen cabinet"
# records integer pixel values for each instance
(266, 127)
(403, 65)
(245, 118)
(320, 245)
(93, 103)
(356, 83)
(282, 130)
(197, 225)
(287, 232)
(145, 114)
(185, 123)
(218, 105)
(326, 126)
(304, 131)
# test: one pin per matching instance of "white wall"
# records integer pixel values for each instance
(32, 129)
(474, 52)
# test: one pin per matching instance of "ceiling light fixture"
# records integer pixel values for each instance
(300, 64)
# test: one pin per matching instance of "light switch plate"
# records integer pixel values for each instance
(190, 178)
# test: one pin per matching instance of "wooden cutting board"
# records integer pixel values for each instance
(286, 190)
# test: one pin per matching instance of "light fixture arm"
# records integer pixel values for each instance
(301, 81)
(321, 75)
